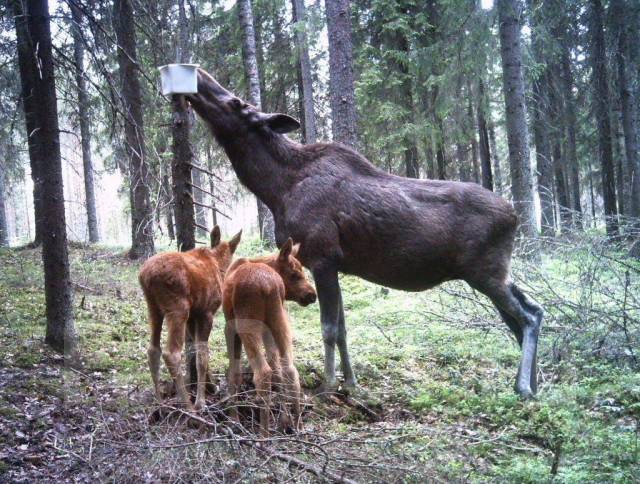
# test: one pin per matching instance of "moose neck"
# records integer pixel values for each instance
(265, 163)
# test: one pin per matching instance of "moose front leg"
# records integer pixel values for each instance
(330, 299)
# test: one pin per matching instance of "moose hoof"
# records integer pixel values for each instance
(525, 393)
(350, 384)
(198, 405)
(328, 388)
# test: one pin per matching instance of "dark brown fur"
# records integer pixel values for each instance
(352, 217)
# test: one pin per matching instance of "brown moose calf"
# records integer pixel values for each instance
(253, 303)
(184, 289)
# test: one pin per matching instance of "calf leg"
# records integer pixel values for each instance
(524, 317)
(234, 353)
(154, 352)
(202, 331)
(190, 354)
(252, 343)
(273, 358)
(176, 328)
(328, 289)
(283, 339)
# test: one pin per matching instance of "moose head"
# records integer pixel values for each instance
(228, 115)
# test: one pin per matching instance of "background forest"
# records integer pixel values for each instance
(536, 100)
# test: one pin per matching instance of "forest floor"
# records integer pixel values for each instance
(435, 400)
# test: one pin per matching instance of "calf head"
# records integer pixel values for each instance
(223, 250)
(297, 287)
(231, 117)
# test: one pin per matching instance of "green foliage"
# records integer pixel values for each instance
(437, 366)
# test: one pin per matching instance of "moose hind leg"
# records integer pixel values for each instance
(514, 312)
(538, 313)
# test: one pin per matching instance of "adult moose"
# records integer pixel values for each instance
(351, 217)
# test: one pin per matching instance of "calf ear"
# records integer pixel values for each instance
(285, 250)
(296, 250)
(215, 236)
(233, 243)
(280, 123)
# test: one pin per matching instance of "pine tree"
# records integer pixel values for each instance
(245, 13)
(141, 211)
(34, 22)
(341, 87)
(509, 12)
(83, 119)
(601, 100)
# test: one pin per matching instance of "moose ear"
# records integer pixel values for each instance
(233, 243)
(279, 123)
(215, 236)
(285, 250)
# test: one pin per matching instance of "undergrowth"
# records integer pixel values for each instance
(435, 371)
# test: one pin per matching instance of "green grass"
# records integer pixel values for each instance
(437, 367)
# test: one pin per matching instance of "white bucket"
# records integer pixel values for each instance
(179, 78)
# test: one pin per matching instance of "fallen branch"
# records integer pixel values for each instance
(86, 288)
(313, 469)
(255, 443)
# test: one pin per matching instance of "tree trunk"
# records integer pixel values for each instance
(61, 333)
(141, 210)
(509, 12)
(199, 195)
(463, 166)
(544, 166)
(462, 147)
(628, 107)
(28, 74)
(411, 163)
(300, 17)
(184, 209)
(214, 213)
(4, 230)
(556, 134)
(472, 135)
(441, 160)
(483, 134)
(341, 88)
(571, 122)
(85, 132)
(618, 156)
(431, 169)
(181, 172)
(496, 161)
(603, 122)
(245, 13)
(168, 207)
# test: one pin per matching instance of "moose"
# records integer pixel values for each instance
(353, 218)
(184, 290)
(253, 298)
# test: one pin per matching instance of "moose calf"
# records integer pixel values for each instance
(253, 303)
(184, 289)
